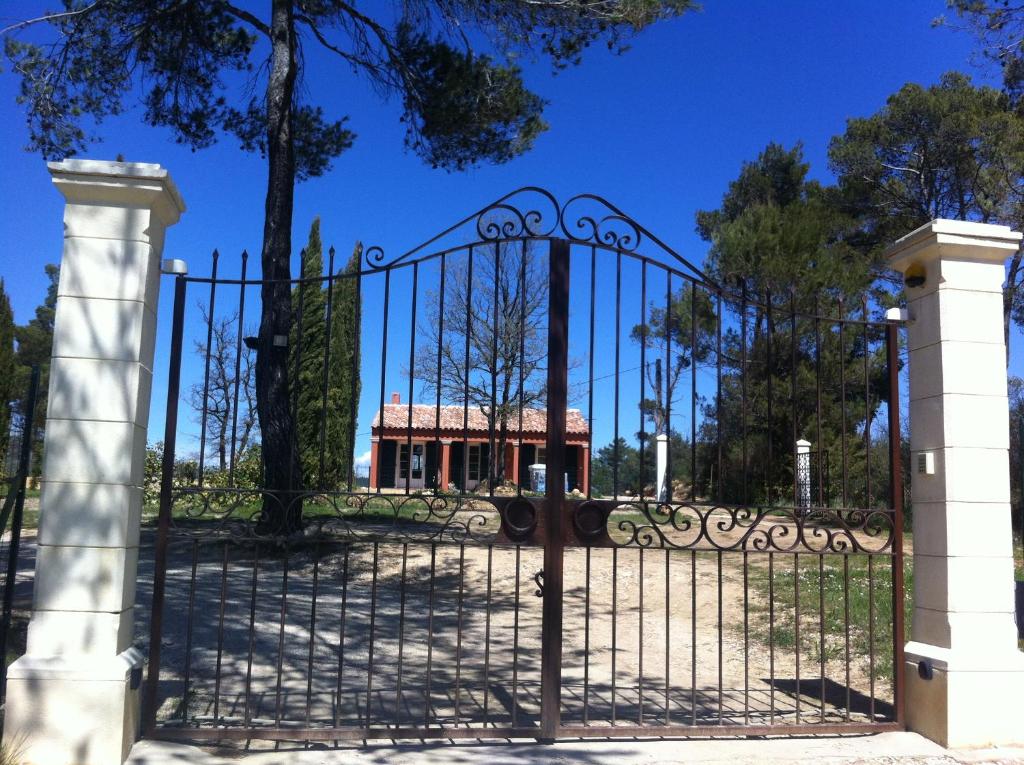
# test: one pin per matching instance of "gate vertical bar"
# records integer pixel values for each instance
(892, 348)
(558, 384)
(21, 483)
(164, 522)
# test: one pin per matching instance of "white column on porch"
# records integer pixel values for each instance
(964, 674)
(74, 696)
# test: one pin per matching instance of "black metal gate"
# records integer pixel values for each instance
(684, 570)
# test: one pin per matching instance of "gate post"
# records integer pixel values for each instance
(554, 481)
(74, 696)
(964, 674)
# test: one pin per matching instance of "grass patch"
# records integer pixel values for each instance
(832, 586)
(30, 514)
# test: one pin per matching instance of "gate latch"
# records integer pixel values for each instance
(539, 579)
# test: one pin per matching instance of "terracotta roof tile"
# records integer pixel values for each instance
(424, 417)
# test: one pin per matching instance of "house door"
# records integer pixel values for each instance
(411, 465)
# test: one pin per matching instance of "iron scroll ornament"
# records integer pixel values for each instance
(692, 526)
(534, 213)
(239, 515)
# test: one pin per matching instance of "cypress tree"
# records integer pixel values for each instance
(307, 357)
(7, 379)
(344, 389)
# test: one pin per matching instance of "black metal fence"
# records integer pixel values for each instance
(17, 463)
(450, 600)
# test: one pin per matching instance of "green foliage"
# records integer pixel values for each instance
(308, 348)
(1016, 394)
(633, 477)
(459, 106)
(8, 389)
(779, 399)
(951, 150)
(35, 346)
(249, 468)
(783, 247)
(627, 478)
(776, 231)
(344, 385)
(248, 474)
(325, 367)
(464, 107)
(177, 49)
(999, 28)
(152, 473)
(35, 339)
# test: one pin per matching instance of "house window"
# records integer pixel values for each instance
(542, 453)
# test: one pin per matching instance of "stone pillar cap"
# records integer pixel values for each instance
(98, 181)
(954, 239)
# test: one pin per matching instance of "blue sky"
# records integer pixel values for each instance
(660, 131)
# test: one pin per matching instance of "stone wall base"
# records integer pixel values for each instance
(968, 701)
(73, 710)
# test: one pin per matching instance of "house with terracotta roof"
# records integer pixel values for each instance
(425, 447)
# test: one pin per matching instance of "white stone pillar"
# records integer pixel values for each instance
(964, 674)
(663, 492)
(74, 696)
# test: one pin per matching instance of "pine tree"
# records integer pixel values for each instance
(35, 346)
(344, 386)
(8, 390)
(307, 362)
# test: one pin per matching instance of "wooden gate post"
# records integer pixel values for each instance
(964, 674)
(73, 698)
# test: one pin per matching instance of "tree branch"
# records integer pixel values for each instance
(50, 17)
(350, 58)
(247, 17)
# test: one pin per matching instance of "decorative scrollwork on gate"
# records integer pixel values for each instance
(590, 219)
(246, 516)
(534, 213)
(755, 529)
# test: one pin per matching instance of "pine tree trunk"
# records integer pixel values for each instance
(281, 515)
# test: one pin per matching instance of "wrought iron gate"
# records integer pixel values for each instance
(678, 574)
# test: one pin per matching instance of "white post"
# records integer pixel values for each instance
(803, 474)
(663, 492)
(74, 696)
(964, 674)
